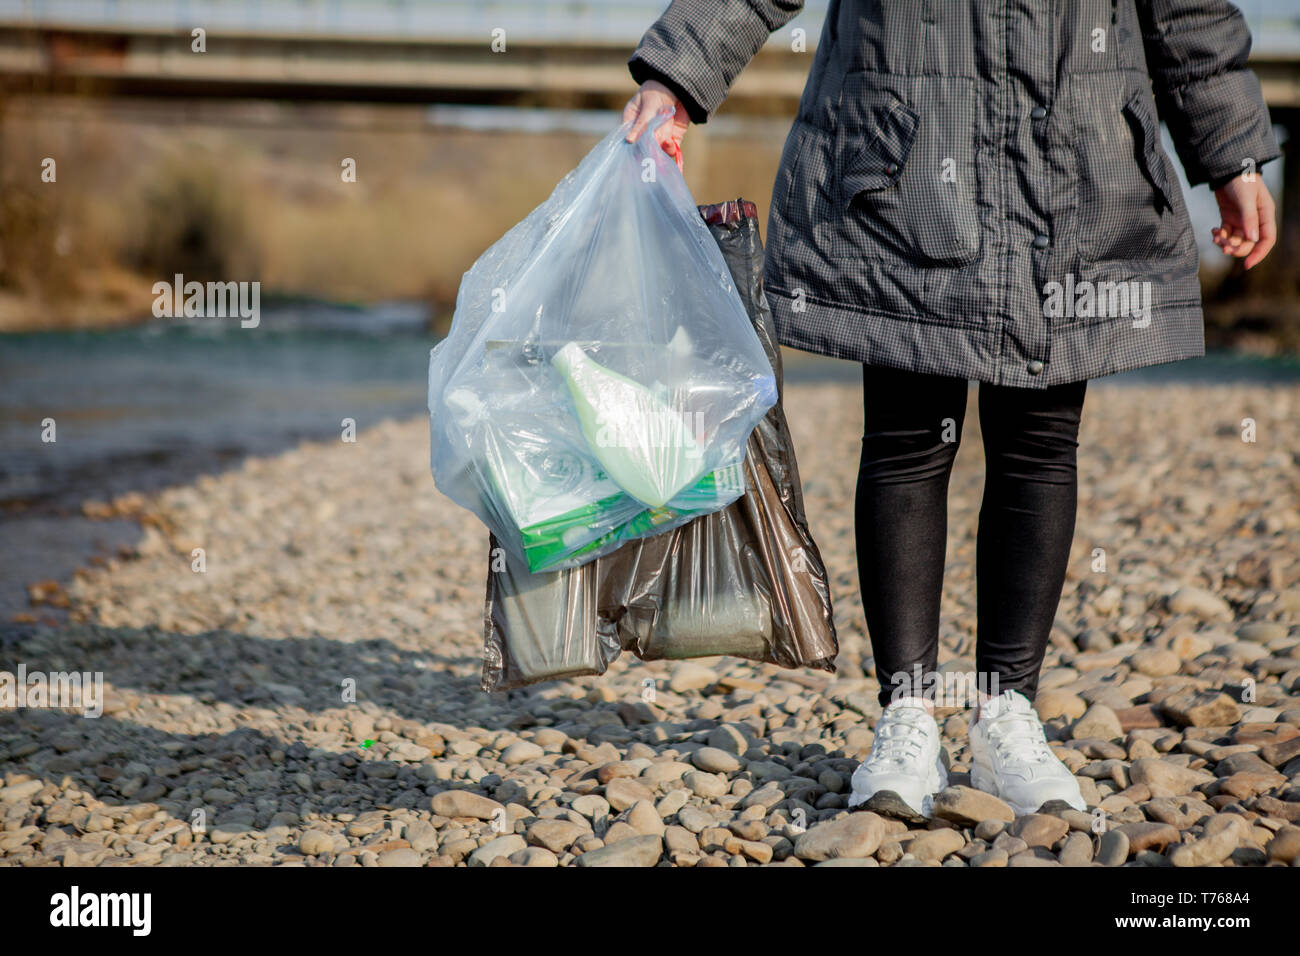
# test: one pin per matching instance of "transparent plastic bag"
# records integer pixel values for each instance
(746, 581)
(601, 377)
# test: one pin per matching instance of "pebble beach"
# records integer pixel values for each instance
(311, 696)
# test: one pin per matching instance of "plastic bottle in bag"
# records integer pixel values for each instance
(640, 440)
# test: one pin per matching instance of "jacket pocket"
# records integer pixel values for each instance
(905, 176)
(1153, 158)
(878, 162)
(1130, 207)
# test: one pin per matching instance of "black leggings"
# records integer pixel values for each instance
(1026, 521)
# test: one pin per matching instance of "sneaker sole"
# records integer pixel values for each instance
(980, 780)
(889, 803)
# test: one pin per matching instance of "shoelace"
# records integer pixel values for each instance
(899, 737)
(1012, 730)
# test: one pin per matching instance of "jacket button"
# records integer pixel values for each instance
(1041, 242)
(891, 169)
(1034, 367)
(1037, 112)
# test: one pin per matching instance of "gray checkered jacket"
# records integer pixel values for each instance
(977, 187)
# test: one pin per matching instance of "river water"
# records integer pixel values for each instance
(139, 407)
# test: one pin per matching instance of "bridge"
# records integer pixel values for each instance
(522, 52)
(561, 53)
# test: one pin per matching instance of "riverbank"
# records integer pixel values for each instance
(339, 562)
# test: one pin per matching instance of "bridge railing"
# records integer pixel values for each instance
(611, 22)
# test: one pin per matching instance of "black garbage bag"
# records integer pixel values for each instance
(747, 581)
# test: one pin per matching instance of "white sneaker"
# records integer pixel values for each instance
(1010, 757)
(905, 768)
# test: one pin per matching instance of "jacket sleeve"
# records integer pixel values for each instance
(698, 47)
(1196, 53)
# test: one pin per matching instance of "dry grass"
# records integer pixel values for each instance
(255, 192)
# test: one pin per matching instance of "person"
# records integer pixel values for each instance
(976, 190)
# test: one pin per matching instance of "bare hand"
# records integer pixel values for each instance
(648, 101)
(1249, 226)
